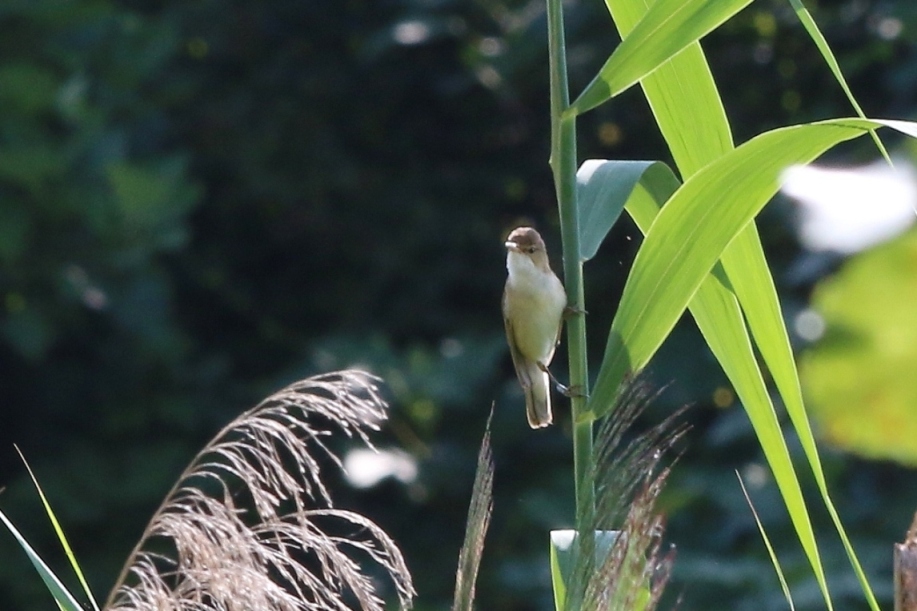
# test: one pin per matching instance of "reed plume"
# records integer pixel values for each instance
(629, 474)
(249, 525)
(479, 513)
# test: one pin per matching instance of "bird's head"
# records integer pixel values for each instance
(526, 243)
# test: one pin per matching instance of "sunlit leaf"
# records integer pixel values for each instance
(691, 232)
(683, 97)
(696, 226)
(720, 319)
(667, 27)
(689, 112)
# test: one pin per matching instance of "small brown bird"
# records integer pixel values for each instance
(533, 306)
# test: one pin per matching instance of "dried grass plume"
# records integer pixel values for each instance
(250, 526)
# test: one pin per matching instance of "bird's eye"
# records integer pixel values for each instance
(532, 250)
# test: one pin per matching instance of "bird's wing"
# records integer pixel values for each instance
(533, 381)
(560, 331)
(518, 360)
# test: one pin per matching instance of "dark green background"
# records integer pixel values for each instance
(203, 200)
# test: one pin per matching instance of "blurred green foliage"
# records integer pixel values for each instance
(855, 373)
(200, 201)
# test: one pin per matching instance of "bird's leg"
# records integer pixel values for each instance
(567, 391)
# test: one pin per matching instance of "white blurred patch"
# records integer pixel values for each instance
(889, 28)
(755, 475)
(365, 468)
(809, 325)
(849, 210)
(411, 32)
(92, 296)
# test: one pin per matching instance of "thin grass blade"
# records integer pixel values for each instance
(60, 533)
(805, 17)
(562, 562)
(62, 596)
(770, 548)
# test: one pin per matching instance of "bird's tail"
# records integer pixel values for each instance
(538, 399)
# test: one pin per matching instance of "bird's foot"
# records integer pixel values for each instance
(572, 310)
(574, 390)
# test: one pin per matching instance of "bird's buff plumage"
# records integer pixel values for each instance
(533, 305)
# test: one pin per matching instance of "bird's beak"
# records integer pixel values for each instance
(511, 246)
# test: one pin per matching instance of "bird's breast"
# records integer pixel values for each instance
(534, 303)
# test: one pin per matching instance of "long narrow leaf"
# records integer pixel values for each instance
(683, 97)
(719, 317)
(775, 351)
(691, 240)
(758, 296)
(696, 226)
(60, 593)
(805, 17)
(667, 27)
(719, 311)
(689, 112)
(60, 533)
